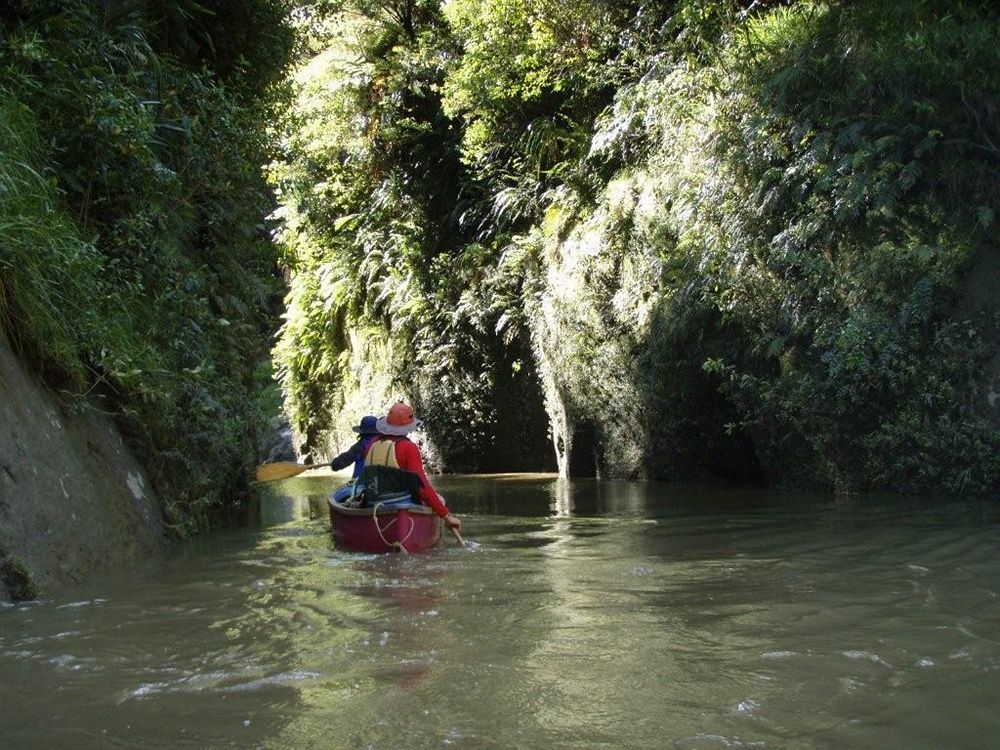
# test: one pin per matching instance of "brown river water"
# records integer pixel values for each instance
(582, 615)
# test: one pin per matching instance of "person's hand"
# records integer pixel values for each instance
(453, 522)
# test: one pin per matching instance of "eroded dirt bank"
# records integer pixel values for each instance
(73, 499)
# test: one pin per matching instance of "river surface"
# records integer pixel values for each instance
(583, 615)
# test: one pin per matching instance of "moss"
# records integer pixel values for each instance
(17, 578)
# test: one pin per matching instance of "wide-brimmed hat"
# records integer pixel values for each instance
(399, 421)
(368, 425)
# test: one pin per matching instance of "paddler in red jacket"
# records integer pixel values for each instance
(397, 450)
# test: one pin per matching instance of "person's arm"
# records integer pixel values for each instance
(408, 457)
(346, 458)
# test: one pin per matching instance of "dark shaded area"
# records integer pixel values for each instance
(864, 370)
(693, 429)
(521, 438)
(17, 578)
(583, 452)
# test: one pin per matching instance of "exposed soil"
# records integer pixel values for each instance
(73, 499)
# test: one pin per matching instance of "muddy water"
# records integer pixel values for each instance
(588, 615)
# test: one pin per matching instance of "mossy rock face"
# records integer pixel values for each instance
(17, 578)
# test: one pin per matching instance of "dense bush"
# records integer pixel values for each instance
(49, 274)
(707, 238)
(387, 283)
(140, 269)
(827, 212)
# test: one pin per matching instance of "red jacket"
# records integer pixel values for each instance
(408, 457)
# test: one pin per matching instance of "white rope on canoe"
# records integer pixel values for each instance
(380, 529)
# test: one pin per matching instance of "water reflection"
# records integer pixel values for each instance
(526, 495)
(592, 615)
(529, 494)
(273, 508)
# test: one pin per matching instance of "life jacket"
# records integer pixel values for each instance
(382, 478)
(382, 453)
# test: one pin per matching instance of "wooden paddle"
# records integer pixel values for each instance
(453, 530)
(282, 470)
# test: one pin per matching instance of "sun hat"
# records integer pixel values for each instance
(367, 426)
(399, 421)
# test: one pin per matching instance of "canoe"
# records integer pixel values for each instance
(388, 527)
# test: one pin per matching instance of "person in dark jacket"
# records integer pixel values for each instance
(367, 434)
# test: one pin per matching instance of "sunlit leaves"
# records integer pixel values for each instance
(792, 190)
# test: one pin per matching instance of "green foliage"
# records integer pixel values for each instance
(154, 159)
(378, 212)
(47, 273)
(719, 237)
(850, 216)
(532, 76)
(829, 212)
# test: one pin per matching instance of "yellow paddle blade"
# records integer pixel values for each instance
(280, 470)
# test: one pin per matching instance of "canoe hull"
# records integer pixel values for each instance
(411, 529)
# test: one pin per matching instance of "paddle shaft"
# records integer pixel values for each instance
(452, 529)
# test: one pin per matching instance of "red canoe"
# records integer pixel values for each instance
(411, 528)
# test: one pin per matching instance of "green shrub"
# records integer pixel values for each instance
(137, 256)
(49, 276)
